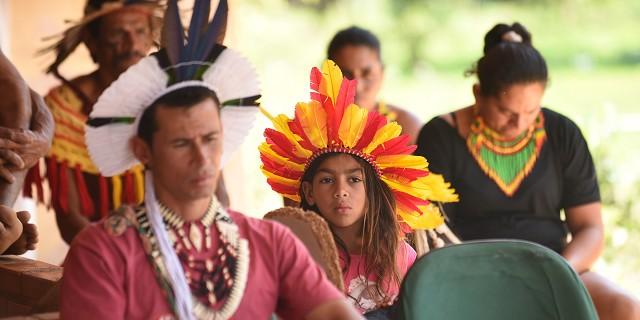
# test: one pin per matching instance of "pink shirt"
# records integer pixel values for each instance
(109, 277)
(355, 282)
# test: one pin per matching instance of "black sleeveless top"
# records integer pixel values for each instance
(563, 177)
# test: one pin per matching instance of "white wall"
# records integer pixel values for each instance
(4, 26)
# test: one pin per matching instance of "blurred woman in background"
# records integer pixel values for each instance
(516, 165)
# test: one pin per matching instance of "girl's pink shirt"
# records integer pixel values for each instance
(355, 282)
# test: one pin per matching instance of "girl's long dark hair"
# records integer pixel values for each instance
(380, 231)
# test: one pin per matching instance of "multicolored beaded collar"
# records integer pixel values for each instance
(226, 272)
(506, 161)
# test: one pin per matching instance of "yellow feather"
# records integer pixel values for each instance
(294, 197)
(265, 149)
(386, 133)
(430, 218)
(279, 179)
(313, 119)
(332, 80)
(267, 114)
(116, 181)
(406, 188)
(402, 161)
(438, 189)
(281, 124)
(138, 176)
(352, 125)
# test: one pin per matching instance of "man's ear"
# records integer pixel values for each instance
(307, 192)
(141, 150)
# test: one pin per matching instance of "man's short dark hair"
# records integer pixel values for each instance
(185, 97)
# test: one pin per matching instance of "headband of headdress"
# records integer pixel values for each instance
(332, 123)
(67, 41)
(200, 61)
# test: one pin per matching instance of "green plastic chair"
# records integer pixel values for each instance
(493, 279)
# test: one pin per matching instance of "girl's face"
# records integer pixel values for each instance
(514, 110)
(338, 190)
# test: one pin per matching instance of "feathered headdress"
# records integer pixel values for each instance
(331, 123)
(200, 61)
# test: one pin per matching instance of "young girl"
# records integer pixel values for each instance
(360, 209)
(353, 167)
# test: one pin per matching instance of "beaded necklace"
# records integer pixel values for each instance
(383, 109)
(506, 161)
(222, 278)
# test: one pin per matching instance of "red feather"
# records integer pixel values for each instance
(333, 122)
(316, 78)
(29, 181)
(346, 96)
(375, 121)
(128, 196)
(281, 188)
(63, 184)
(52, 176)
(317, 97)
(406, 173)
(409, 201)
(104, 197)
(278, 169)
(86, 204)
(397, 145)
(296, 128)
(405, 227)
(282, 145)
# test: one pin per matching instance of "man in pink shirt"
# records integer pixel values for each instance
(180, 112)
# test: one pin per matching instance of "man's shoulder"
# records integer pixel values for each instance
(121, 220)
(259, 230)
(118, 229)
(252, 224)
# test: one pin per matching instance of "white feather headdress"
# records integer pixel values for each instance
(199, 62)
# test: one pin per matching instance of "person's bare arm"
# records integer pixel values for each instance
(15, 113)
(40, 133)
(72, 222)
(587, 232)
(334, 310)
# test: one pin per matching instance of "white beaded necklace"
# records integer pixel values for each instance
(228, 234)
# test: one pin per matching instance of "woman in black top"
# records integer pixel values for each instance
(516, 165)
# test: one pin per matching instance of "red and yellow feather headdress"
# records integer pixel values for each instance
(330, 123)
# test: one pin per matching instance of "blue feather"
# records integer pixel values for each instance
(173, 36)
(199, 19)
(201, 38)
(216, 26)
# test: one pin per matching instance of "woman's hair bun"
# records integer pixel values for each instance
(501, 33)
